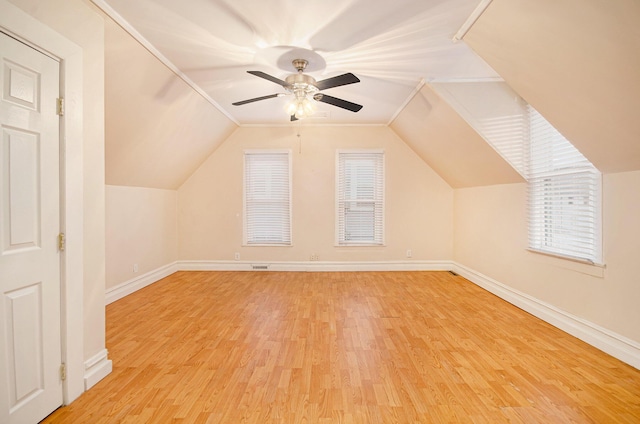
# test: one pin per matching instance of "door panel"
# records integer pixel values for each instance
(24, 335)
(21, 191)
(30, 343)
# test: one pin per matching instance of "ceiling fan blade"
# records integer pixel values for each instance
(343, 79)
(255, 99)
(353, 107)
(269, 78)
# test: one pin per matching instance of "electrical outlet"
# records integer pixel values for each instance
(313, 257)
(409, 253)
(135, 267)
(236, 256)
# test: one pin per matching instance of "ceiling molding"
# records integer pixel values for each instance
(407, 101)
(475, 15)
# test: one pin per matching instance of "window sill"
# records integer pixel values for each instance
(359, 245)
(266, 245)
(582, 266)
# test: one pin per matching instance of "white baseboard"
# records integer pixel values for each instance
(618, 346)
(315, 266)
(135, 284)
(96, 368)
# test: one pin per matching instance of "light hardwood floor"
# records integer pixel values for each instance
(367, 347)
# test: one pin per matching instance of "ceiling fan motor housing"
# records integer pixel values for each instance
(301, 82)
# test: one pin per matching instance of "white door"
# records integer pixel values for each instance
(30, 345)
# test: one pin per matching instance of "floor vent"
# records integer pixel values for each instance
(259, 267)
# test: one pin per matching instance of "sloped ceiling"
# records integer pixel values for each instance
(158, 129)
(440, 136)
(389, 45)
(578, 63)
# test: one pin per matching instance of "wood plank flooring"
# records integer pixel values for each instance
(366, 347)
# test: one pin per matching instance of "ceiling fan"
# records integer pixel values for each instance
(303, 86)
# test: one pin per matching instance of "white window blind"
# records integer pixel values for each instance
(267, 197)
(564, 188)
(360, 197)
(564, 195)
(508, 136)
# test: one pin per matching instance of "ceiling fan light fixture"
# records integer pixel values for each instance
(307, 107)
(291, 107)
(300, 113)
(300, 107)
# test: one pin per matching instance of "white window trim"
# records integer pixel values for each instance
(367, 244)
(245, 242)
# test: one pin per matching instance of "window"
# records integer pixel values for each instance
(564, 188)
(564, 195)
(360, 197)
(267, 197)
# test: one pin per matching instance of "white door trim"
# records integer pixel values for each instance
(24, 27)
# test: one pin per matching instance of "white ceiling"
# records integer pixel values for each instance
(392, 47)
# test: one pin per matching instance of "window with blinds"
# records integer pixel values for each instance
(267, 197)
(564, 195)
(564, 188)
(360, 197)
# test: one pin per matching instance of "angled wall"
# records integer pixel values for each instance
(159, 130)
(577, 63)
(442, 138)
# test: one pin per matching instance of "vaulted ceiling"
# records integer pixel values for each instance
(173, 70)
(389, 46)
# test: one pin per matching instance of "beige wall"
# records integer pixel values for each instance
(419, 203)
(141, 230)
(79, 21)
(491, 238)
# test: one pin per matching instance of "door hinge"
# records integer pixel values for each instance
(63, 371)
(60, 106)
(61, 242)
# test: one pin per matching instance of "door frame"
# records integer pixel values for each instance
(22, 26)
